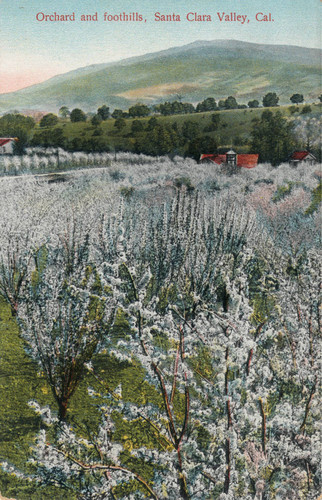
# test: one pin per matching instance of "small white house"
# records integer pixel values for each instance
(302, 156)
(6, 145)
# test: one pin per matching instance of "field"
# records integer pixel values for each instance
(159, 330)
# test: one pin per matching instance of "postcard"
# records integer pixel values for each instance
(160, 215)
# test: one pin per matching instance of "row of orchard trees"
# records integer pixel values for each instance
(224, 326)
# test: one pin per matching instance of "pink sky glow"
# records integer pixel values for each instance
(9, 82)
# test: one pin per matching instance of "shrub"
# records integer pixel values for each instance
(306, 109)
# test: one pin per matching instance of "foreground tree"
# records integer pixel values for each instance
(14, 266)
(137, 126)
(63, 317)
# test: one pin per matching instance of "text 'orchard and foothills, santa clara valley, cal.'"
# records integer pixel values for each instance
(158, 17)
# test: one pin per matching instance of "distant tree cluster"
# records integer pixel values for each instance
(272, 137)
(169, 108)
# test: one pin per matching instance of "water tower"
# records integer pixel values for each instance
(231, 157)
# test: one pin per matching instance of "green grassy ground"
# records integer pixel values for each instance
(21, 381)
(234, 128)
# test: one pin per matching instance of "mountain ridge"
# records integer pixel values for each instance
(196, 70)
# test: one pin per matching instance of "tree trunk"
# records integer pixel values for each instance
(228, 468)
(63, 408)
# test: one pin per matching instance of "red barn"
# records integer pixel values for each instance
(232, 158)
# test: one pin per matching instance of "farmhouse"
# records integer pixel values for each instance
(6, 145)
(302, 156)
(231, 158)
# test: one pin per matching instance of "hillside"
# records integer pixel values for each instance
(195, 71)
(233, 130)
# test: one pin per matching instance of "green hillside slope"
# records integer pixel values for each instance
(195, 71)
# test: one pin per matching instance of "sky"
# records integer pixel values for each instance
(32, 51)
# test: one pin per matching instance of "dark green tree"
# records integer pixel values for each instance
(137, 127)
(215, 118)
(64, 112)
(270, 100)
(77, 115)
(161, 140)
(297, 98)
(11, 123)
(272, 138)
(253, 104)
(56, 137)
(95, 144)
(18, 126)
(22, 142)
(190, 129)
(139, 110)
(96, 120)
(176, 108)
(120, 123)
(231, 103)
(164, 108)
(117, 113)
(188, 108)
(153, 122)
(201, 145)
(208, 104)
(306, 109)
(104, 112)
(49, 120)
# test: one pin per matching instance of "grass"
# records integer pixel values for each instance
(21, 381)
(234, 128)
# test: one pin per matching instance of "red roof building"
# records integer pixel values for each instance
(6, 145)
(232, 158)
(218, 159)
(299, 156)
